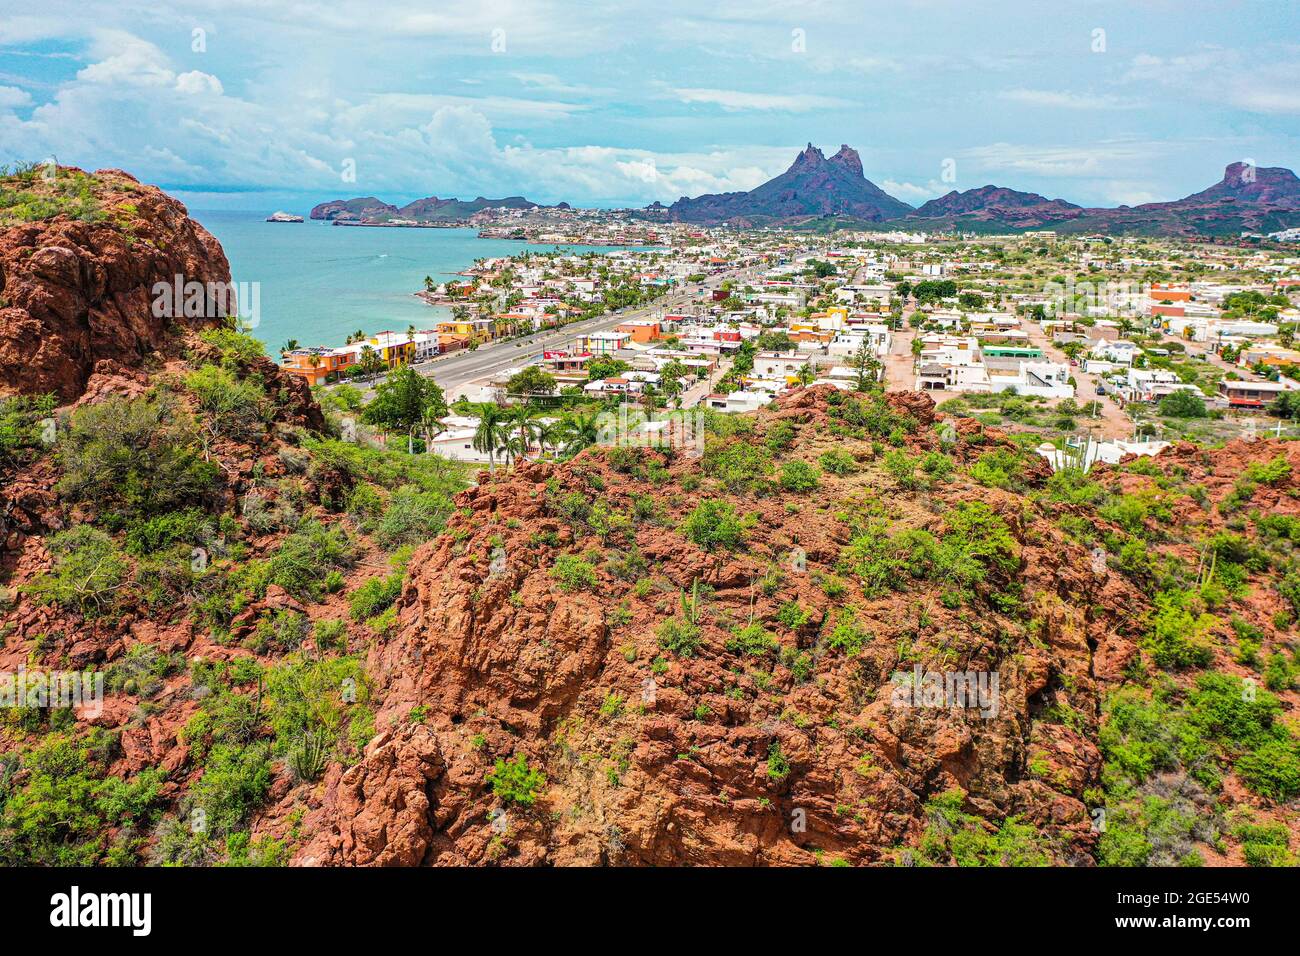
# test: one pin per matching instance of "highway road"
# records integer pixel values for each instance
(458, 369)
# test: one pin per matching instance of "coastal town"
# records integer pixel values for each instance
(1094, 345)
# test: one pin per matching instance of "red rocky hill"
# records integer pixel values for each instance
(77, 285)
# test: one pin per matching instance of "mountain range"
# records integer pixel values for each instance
(429, 209)
(817, 191)
(821, 192)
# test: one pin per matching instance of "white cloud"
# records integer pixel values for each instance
(914, 193)
(12, 97)
(1064, 100)
(1089, 161)
(740, 100)
(1265, 80)
(126, 60)
(197, 82)
(118, 108)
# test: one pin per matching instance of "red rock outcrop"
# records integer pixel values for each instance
(672, 763)
(78, 296)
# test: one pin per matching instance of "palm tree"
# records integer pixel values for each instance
(526, 430)
(289, 346)
(580, 431)
(429, 423)
(806, 375)
(370, 362)
(516, 447)
(549, 433)
(491, 433)
(650, 400)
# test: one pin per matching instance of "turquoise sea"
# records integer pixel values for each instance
(318, 283)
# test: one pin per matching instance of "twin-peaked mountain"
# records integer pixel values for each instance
(812, 186)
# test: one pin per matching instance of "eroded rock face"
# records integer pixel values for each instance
(77, 297)
(384, 808)
(716, 757)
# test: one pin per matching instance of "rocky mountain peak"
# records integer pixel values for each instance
(849, 158)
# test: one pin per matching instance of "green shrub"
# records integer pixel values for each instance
(679, 636)
(234, 348)
(752, 640)
(977, 543)
(1155, 831)
(134, 458)
(573, 573)
(798, 476)
(375, 595)
(847, 637)
(88, 573)
(837, 462)
(1269, 472)
(160, 532)
(779, 436)
(740, 466)
(331, 634)
(1265, 844)
(954, 836)
(57, 810)
(411, 516)
(778, 767)
(235, 781)
(513, 782)
(1272, 770)
(234, 407)
(1182, 404)
(22, 434)
(714, 524)
(1179, 636)
(303, 561)
(792, 615)
(1000, 468)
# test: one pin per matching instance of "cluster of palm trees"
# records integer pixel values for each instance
(515, 430)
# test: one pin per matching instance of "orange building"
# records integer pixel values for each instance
(1166, 293)
(641, 332)
(319, 365)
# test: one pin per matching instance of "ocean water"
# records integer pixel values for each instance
(319, 283)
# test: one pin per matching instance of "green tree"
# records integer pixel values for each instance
(1183, 403)
(531, 381)
(405, 401)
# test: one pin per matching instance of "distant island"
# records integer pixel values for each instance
(430, 211)
(283, 217)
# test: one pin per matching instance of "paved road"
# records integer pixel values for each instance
(458, 369)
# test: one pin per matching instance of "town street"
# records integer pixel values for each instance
(458, 369)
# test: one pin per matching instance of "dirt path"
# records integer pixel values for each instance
(899, 372)
(1112, 421)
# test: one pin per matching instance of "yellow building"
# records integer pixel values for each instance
(394, 348)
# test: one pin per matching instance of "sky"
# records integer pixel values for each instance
(268, 104)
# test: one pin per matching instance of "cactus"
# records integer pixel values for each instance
(308, 756)
(1074, 458)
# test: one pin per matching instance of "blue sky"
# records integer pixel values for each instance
(258, 104)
